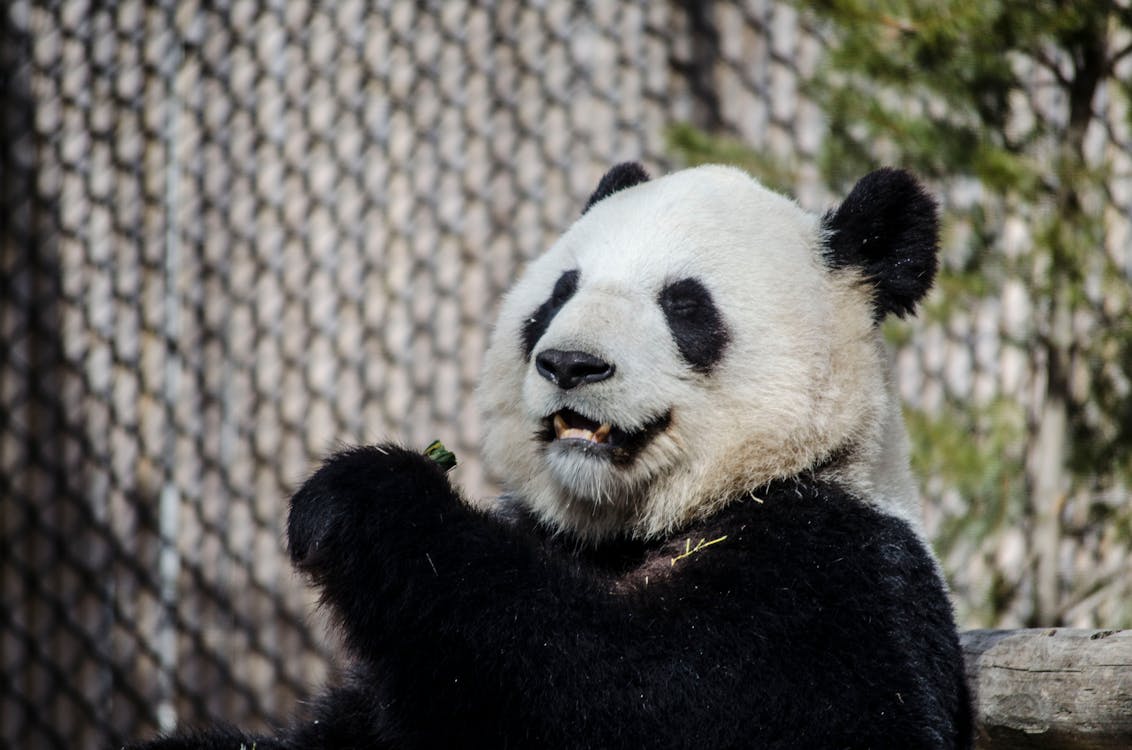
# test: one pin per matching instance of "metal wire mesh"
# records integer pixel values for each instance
(236, 232)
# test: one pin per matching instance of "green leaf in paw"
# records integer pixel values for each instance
(443, 457)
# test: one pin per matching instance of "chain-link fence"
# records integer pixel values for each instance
(235, 233)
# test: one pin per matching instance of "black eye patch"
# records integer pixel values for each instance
(536, 324)
(695, 322)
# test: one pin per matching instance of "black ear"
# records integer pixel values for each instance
(888, 228)
(621, 176)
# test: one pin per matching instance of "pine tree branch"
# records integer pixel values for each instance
(1043, 59)
(1113, 137)
(1110, 66)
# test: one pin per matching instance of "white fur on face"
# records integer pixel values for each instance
(802, 377)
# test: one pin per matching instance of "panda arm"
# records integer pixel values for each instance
(388, 541)
(394, 550)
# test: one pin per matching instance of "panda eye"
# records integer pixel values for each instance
(685, 299)
(684, 307)
(565, 287)
(695, 322)
(535, 325)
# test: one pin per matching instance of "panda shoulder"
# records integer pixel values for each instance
(818, 526)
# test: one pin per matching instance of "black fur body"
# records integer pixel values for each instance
(797, 617)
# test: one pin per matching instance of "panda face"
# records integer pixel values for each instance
(682, 342)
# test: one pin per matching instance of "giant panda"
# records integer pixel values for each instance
(708, 535)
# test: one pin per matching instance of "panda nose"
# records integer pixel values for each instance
(568, 369)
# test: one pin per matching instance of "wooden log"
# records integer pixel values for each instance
(1052, 689)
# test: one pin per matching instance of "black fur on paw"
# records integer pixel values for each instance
(340, 506)
(217, 738)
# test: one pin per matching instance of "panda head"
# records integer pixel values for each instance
(693, 337)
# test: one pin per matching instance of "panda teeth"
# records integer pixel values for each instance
(563, 431)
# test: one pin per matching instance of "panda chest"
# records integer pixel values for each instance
(689, 560)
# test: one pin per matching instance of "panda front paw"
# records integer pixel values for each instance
(358, 495)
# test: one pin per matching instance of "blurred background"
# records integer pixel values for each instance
(235, 234)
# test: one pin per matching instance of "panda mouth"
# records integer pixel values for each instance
(569, 428)
(570, 425)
